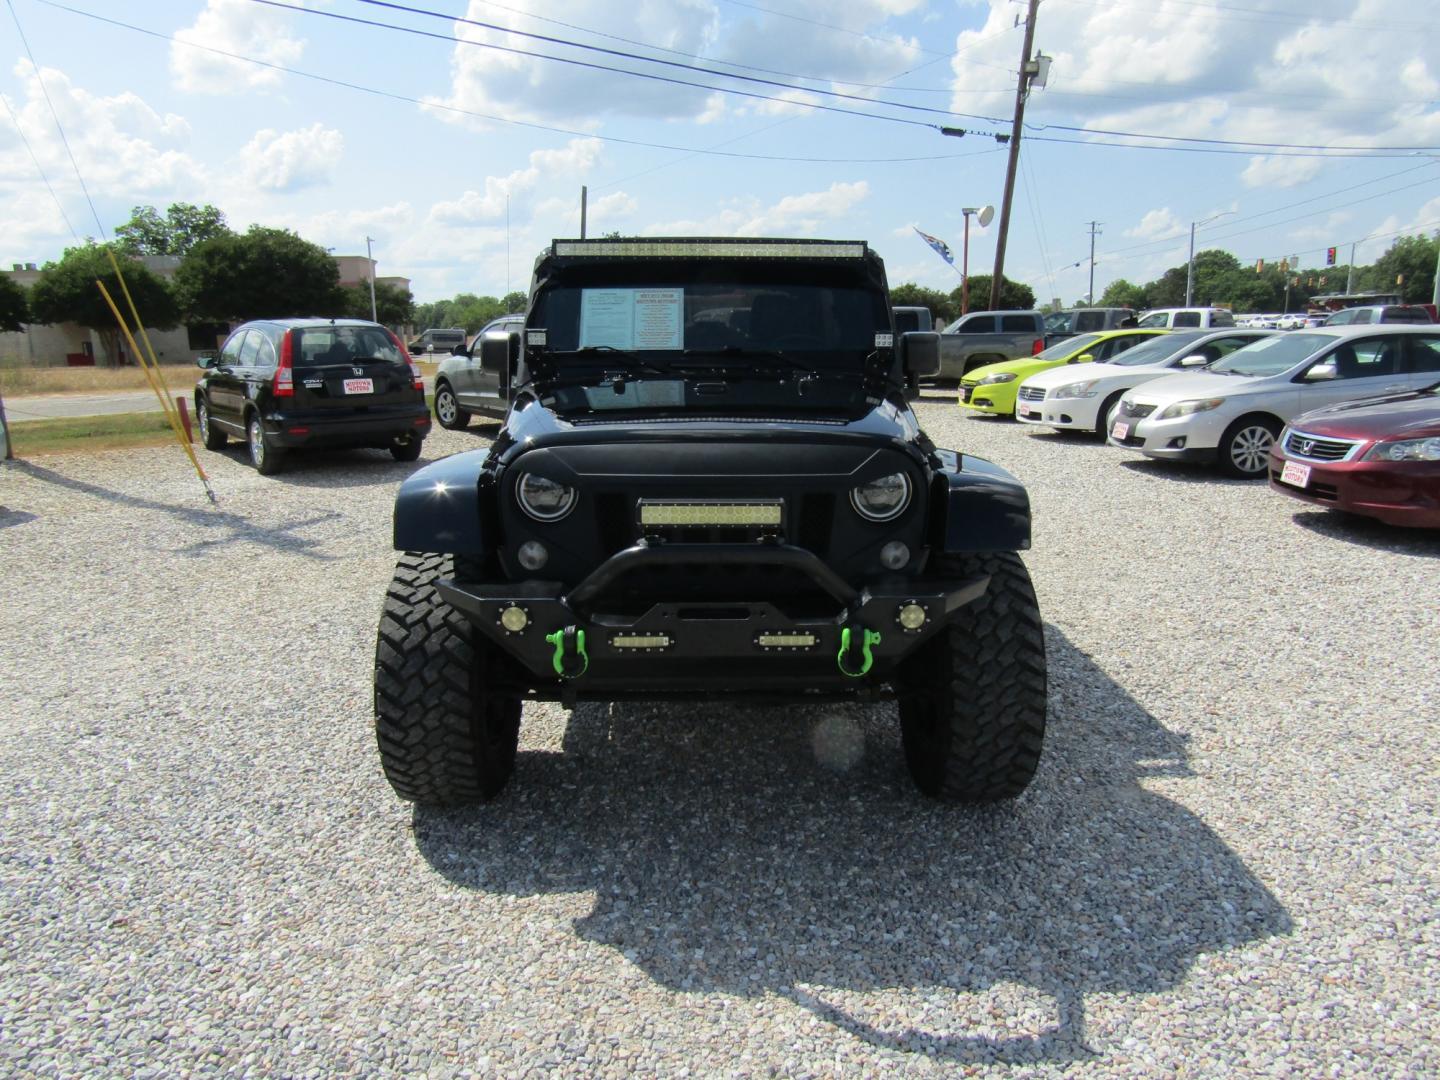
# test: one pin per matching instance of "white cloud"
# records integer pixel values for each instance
(1158, 224)
(794, 214)
(291, 160)
(479, 207)
(233, 26)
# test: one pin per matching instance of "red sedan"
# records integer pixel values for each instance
(1379, 457)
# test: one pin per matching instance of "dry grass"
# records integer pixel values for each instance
(20, 381)
(89, 434)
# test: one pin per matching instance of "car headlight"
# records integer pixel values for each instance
(998, 377)
(1189, 408)
(882, 499)
(544, 499)
(1075, 389)
(1406, 450)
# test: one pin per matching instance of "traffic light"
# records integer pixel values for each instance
(1329, 256)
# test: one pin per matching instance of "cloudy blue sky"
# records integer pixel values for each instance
(462, 148)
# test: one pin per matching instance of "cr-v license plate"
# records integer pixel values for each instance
(359, 386)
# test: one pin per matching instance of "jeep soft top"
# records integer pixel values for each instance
(710, 483)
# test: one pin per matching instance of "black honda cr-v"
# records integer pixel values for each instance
(282, 384)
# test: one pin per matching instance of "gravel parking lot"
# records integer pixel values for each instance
(1227, 865)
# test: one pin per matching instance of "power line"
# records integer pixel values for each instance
(390, 5)
(476, 114)
(15, 119)
(58, 126)
(1240, 14)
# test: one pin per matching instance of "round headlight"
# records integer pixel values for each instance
(882, 499)
(544, 499)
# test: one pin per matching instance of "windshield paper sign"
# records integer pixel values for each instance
(631, 319)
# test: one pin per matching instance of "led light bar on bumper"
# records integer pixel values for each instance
(738, 514)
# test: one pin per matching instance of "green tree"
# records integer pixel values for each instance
(14, 307)
(1120, 293)
(941, 308)
(1410, 258)
(66, 292)
(394, 306)
(515, 301)
(261, 273)
(1013, 295)
(176, 233)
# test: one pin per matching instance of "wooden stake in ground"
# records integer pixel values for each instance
(6, 454)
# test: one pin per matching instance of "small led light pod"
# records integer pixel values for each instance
(514, 619)
(911, 616)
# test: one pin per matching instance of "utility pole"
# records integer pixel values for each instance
(583, 197)
(1094, 232)
(1350, 270)
(1021, 91)
(371, 261)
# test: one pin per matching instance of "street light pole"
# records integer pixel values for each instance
(371, 262)
(1021, 91)
(1190, 263)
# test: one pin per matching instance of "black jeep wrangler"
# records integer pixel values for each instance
(710, 484)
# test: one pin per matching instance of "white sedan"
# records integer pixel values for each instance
(1083, 400)
(1231, 413)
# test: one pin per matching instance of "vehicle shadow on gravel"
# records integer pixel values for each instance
(340, 468)
(1369, 532)
(1186, 472)
(770, 851)
(216, 526)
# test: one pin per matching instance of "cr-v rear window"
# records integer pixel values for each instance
(318, 346)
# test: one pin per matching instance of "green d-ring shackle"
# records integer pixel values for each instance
(868, 638)
(557, 661)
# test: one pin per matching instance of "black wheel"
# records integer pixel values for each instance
(409, 450)
(446, 736)
(210, 435)
(1245, 447)
(265, 457)
(1105, 418)
(972, 700)
(447, 409)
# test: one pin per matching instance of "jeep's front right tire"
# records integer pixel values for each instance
(972, 699)
(446, 736)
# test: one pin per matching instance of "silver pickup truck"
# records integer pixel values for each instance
(988, 337)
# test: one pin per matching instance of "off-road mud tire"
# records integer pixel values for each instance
(972, 704)
(446, 736)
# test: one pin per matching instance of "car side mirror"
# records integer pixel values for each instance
(497, 349)
(460, 350)
(1083, 358)
(1195, 360)
(920, 353)
(206, 359)
(1321, 373)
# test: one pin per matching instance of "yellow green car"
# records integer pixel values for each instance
(991, 389)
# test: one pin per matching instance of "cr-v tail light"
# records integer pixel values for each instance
(414, 367)
(1037, 347)
(285, 373)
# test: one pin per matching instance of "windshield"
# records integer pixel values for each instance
(1158, 350)
(1271, 356)
(1069, 347)
(323, 345)
(824, 326)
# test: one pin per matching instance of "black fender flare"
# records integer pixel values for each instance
(978, 506)
(441, 508)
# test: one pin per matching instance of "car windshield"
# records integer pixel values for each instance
(720, 319)
(318, 346)
(1069, 347)
(1272, 355)
(1158, 350)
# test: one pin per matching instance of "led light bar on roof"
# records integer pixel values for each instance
(756, 249)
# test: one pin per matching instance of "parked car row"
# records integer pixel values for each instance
(1341, 416)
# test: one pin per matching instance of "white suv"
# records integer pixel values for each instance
(1085, 400)
(1232, 412)
(1187, 318)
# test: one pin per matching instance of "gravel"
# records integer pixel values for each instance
(1226, 866)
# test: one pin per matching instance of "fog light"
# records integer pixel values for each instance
(533, 555)
(911, 616)
(514, 619)
(894, 555)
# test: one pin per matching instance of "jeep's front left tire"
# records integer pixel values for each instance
(972, 699)
(446, 736)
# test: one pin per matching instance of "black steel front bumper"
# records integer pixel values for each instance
(573, 648)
